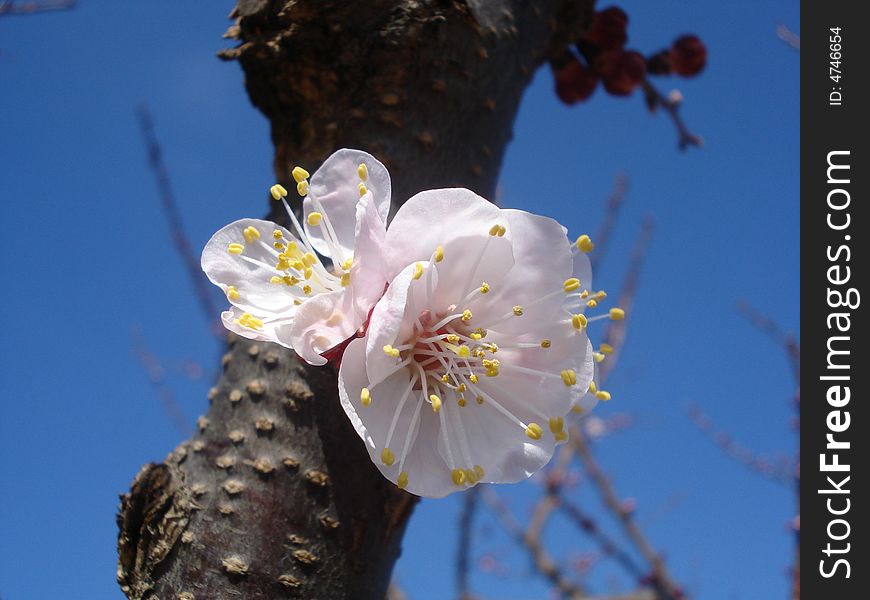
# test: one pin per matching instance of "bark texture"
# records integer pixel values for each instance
(275, 496)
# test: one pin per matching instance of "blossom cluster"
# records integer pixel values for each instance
(460, 327)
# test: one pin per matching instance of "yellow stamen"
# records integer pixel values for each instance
(461, 401)
(592, 387)
(289, 280)
(571, 284)
(306, 289)
(479, 399)
(363, 171)
(518, 310)
(278, 245)
(452, 338)
(345, 279)
(251, 233)
(232, 292)
(484, 288)
(617, 314)
(584, 243)
(362, 189)
(387, 457)
(501, 230)
(439, 254)
(302, 188)
(561, 436)
(557, 424)
(598, 356)
(592, 303)
(458, 476)
(472, 378)
(478, 471)
(602, 395)
(276, 279)
(365, 397)
(402, 481)
(579, 321)
(493, 231)
(418, 270)
(534, 431)
(569, 377)
(436, 402)
(346, 265)
(606, 349)
(300, 174)
(390, 351)
(235, 248)
(463, 351)
(278, 191)
(278, 234)
(308, 258)
(546, 343)
(445, 378)
(576, 409)
(466, 315)
(314, 219)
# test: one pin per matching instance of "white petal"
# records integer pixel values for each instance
(584, 405)
(583, 270)
(323, 322)
(334, 192)
(256, 294)
(367, 276)
(270, 332)
(431, 218)
(468, 262)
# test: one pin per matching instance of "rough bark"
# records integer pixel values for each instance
(275, 496)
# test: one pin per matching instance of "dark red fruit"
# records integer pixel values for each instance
(659, 63)
(688, 56)
(621, 71)
(608, 30)
(575, 82)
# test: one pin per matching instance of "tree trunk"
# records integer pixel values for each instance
(275, 496)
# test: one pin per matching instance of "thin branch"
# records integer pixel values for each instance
(789, 37)
(611, 214)
(169, 204)
(774, 331)
(157, 377)
(10, 7)
(543, 563)
(463, 556)
(659, 578)
(671, 105)
(615, 331)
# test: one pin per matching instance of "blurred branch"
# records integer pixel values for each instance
(463, 557)
(774, 331)
(671, 105)
(542, 561)
(169, 204)
(157, 377)
(615, 331)
(788, 36)
(659, 578)
(10, 7)
(611, 214)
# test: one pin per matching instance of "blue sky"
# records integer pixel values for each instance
(86, 258)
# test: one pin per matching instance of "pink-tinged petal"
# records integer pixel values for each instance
(582, 270)
(334, 192)
(389, 322)
(323, 322)
(433, 217)
(251, 280)
(271, 331)
(367, 275)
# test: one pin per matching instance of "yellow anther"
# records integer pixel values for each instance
(461, 401)
(598, 356)
(346, 265)
(584, 243)
(439, 254)
(606, 349)
(307, 272)
(561, 436)
(278, 191)
(250, 321)
(545, 343)
(387, 457)
(557, 424)
(306, 289)
(492, 371)
(617, 314)
(470, 477)
(302, 188)
(365, 397)
(276, 279)
(362, 189)
(592, 303)
(501, 230)
(579, 321)
(251, 234)
(445, 378)
(584, 294)
(481, 331)
(461, 387)
(479, 352)
(418, 270)
(493, 347)
(478, 472)
(592, 387)
(475, 336)
(602, 395)
(478, 399)
(402, 481)
(235, 248)
(300, 174)
(571, 284)
(577, 409)
(464, 351)
(297, 301)
(484, 288)
(232, 292)
(308, 258)
(458, 476)
(292, 248)
(436, 402)
(390, 351)
(452, 338)
(518, 310)
(314, 219)
(345, 279)
(363, 171)
(289, 280)
(534, 431)
(278, 234)
(600, 295)
(279, 245)
(493, 231)
(472, 378)
(466, 315)
(569, 377)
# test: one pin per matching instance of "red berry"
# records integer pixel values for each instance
(688, 56)
(621, 71)
(608, 29)
(575, 82)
